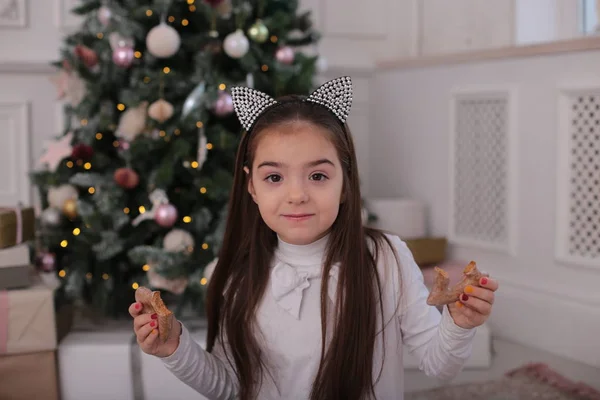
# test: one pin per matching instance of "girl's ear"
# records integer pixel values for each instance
(250, 184)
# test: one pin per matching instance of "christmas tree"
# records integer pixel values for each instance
(135, 189)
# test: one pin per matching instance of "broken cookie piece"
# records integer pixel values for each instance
(442, 294)
(152, 303)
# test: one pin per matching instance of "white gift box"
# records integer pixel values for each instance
(108, 364)
(406, 218)
(14, 256)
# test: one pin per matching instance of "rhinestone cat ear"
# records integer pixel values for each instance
(335, 95)
(249, 104)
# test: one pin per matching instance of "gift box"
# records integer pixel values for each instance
(427, 250)
(14, 256)
(27, 320)
(29, 376)
(105, 362)
(15, 270)
(406, 218)
(17, 225)
(16, 277)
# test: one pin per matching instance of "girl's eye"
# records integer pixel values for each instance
(273, 178)
(318, 177)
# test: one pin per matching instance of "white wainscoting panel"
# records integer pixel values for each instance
(13, 13)
(14, 153)
(578, 173)
(28, 119)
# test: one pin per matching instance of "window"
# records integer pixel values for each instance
(588, 15)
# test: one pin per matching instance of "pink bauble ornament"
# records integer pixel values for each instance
(165, 215)
(224, 104)
(285, 55)
(123, 56)
(46, 261)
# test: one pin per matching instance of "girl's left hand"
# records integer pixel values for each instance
(475, 304)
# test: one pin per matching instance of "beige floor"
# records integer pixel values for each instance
(508, 356)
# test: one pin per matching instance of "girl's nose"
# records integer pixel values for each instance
(297, 193)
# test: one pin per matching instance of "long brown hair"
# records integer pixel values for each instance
(241, 275)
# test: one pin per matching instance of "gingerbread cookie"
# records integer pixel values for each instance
(152, 304)
(442, 294)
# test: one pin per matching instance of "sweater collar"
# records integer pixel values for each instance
(302, 255)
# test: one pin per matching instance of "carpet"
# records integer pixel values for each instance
(532, 381)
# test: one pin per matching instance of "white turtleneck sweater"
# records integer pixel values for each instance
(289, 320)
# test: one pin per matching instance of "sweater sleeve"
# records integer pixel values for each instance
(207, 373)
(441, 346)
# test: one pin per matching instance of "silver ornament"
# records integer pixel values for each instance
(193, 100)
(51, 217)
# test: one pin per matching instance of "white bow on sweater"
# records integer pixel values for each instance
(288, 284)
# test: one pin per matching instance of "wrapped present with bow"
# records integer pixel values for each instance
(27, 320)
(17, 225)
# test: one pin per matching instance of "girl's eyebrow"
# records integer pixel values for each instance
(282, 165)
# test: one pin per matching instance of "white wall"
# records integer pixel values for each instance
(543, 302)
(30, 37)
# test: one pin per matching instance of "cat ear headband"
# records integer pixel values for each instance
(336, 95)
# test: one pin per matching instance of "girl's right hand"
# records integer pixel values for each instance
(146, 328)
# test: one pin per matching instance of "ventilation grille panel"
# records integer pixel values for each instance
(480, 156)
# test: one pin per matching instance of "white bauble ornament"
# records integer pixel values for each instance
(161, 110)
(178, 240)
(132, 122)
(163, 41)
(321, 64)
(104, 15)
(236, 44)
(175, 286)
(58, 195)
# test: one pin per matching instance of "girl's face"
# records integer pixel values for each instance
(296, 181)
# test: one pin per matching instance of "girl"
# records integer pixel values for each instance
(305, 302)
